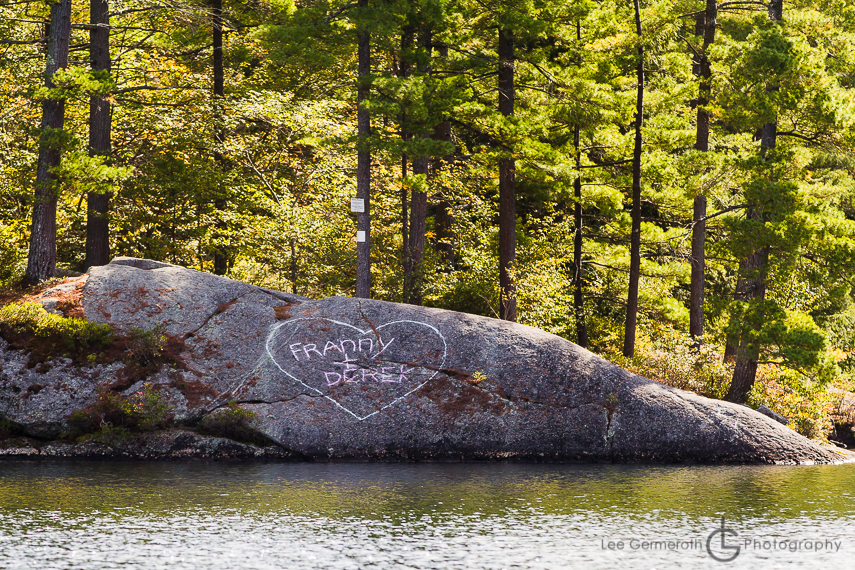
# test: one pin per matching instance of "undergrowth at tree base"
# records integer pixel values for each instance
(668, 356)
(16, 292)
(46, 336)
(113, 416)
(28, 326)
(232, 422)
(9, 429)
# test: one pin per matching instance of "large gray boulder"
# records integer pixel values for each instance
(344, 378)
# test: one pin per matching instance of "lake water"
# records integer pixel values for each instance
(93, 515)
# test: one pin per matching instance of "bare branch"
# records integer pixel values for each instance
(722, 212)
(616, 163)
(26, 21)
(543, 72)
(154, 104)
(814, 139)
(148, 88)
(133, 10)
(135, 46)
(23, 42)
(691, 47)
(743, 3)
(691, 227)
(742, 8)
(338, 12)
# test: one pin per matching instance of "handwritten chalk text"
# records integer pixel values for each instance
(342, 347)
(352, 374)
(356, 369)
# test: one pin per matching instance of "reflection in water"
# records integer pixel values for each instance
(223, 516)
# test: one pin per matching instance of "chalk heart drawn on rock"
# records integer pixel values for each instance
(362, 371)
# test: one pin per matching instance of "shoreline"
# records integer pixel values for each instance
(179, 444)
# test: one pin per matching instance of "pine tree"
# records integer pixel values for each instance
(100, 137)
(699, 210)
(363, 167)
(41, 263)
(221, 257)
(635, 236)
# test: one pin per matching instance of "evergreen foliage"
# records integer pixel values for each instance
(265, 171)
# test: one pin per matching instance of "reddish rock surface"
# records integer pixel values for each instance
(344, 378)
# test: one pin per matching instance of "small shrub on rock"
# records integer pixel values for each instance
(232, 422)
(146, 345)
(150, 409)
(9, 429)
(74, 333)
(45, 336)
(13, 257)
(109, 409)
(28, 326)
(146, 410)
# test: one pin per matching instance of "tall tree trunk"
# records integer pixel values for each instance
(363, 165)
(404, 72)
(753, 272)
(578, 297)
(418, 228)
(444, 219)
(731, 344)
(696, 299)
(405, 229)
(702, 138)
(507, 185)
(635, 236)
(100, 119)
(753, 269)
(41, 262)
(221, 260)
(293, 244)
(418, 200)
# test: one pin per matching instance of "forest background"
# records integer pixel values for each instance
(666, 182)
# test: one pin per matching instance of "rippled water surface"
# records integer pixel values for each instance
(92, 515)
